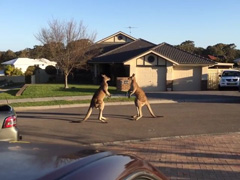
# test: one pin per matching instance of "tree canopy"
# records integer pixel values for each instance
(68, 44)
(222, 52)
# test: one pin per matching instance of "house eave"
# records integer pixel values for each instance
(153, 52)
(192, 65)
(120, 32)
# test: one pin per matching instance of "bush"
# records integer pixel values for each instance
(12, 71)
(51, 70)
(30, 71)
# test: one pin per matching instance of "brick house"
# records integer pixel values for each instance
(157, 67)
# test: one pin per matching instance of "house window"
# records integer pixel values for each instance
(151, 59)
(120, 37)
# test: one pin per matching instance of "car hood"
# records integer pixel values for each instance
(32, 161)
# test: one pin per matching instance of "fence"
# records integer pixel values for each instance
(14, 79)
(213, 78)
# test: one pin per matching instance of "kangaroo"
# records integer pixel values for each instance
(140, 100)
(97, 100)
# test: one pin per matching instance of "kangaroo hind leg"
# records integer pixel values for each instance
(100, 117)
(139, 113)
(135, 116)
(139, 106)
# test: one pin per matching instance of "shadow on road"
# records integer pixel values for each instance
(198, 96)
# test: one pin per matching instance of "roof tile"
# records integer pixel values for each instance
(180, 56)
(124, 53)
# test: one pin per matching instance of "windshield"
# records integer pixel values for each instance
(230, 73)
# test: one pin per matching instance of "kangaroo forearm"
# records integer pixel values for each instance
(108, 93)
(134, 90)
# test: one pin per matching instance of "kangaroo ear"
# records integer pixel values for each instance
(103, 75)
(133, 75)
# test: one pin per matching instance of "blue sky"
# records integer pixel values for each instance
(206, 22)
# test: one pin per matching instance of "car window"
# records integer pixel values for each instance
(230, 73)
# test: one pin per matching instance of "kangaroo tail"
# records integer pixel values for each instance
(88, 114)
(150, 109)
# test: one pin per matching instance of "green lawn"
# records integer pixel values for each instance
(65, 102)
(54, 90)
(57, 90)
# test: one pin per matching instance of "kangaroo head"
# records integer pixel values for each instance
(105, 78)
(132, 77)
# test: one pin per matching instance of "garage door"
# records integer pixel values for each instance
(151, 78)
(187, 78)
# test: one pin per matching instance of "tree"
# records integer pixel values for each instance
(29, 72)
(227, 51)
(8, 55)
(69, 44)
(8, 70)
(23, 54)
(12, 71)
(188, 46)
(37, 52)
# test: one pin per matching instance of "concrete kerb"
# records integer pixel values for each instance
(154, 98)
(87, 104)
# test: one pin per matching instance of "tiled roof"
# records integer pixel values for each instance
(212, 57)
(118, 33)
(124, 53)
(179, 56)
(107, 47)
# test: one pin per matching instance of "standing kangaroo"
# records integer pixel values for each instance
(97, 100)
(140, 100)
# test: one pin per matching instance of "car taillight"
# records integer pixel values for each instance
(10, 121)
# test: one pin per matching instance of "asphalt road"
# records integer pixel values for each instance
(174, 119)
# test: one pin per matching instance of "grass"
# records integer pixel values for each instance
(64, 102)
(54, 90)
(57, 90)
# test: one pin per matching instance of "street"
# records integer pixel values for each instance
(193, 140)
(174, 119)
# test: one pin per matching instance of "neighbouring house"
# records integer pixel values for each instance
(237, 61)
(214, 71)
(157, 67)
(24, 63)
(2, 73)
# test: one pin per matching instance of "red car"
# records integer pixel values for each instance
(107, 166)
(51, 161)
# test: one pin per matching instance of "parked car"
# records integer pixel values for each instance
(229, 79)
(8, 124)
(107, 166)
(61, 161)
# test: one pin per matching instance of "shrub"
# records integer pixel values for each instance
(51, 70)
(12, 71)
